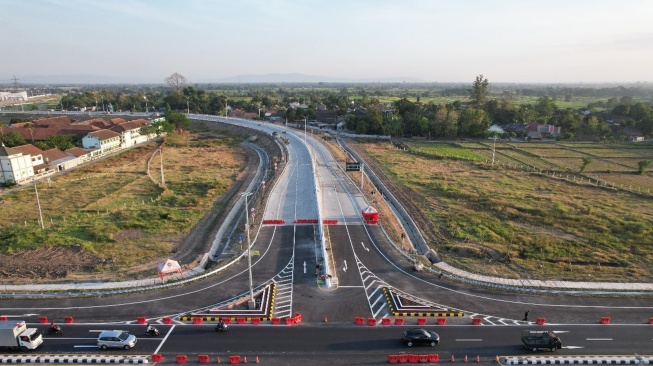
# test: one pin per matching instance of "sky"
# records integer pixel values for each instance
(144, 41)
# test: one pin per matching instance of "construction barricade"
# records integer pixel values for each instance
(540, 321)
(421, 321)
(226, 320)
(298, 318)
(434, 358)
(442, 321)
(3, 318)
(399, 321)
(393, 358)
(359, 320)
(403, 358)
(371, 321)
(68, 319)
(275, 321)
(157, 357)
(256, 321)
(385, 321)
(413, 358)
(605, 320)
(166, 320)
(330, 222)
(290, 321)
(423, 358)
(241, 320)
(141, 320)
(650, 320)
(197, 320)
(234, 359)
(181, 358)
(203, 358)
(43, 319)
(476, 321)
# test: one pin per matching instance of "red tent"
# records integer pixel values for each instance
(370, 215)
(169, 266)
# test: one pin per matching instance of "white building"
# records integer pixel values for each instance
(15, 167)
(103, 140)
(16, 97)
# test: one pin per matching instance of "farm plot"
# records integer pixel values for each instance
(620, 153)
(443, 150)
(630, 182)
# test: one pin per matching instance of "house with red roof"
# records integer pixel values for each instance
(102, 140)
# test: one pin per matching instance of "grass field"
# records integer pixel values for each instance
(114, 210)
(512, 222)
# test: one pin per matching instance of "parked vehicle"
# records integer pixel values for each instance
(116, 339)
(535, 340)
(417, 336)
(16, 336)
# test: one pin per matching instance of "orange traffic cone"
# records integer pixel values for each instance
(465, 358)
(478, 358)
(453, 359)
(256, 359)
(325, 319)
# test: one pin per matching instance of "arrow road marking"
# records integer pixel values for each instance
(368, 249)
(345, 269)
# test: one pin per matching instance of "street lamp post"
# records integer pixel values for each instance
(251, 303)
(144, 97)
(187, 106)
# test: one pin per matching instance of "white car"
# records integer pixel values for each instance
(116, 339)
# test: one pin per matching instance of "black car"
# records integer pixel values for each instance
(420, 336)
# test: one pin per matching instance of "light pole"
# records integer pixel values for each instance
(144, 97)
(187, 106)
(251, 303)
(225, 108)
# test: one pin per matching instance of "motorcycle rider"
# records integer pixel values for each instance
(54, 327)
(220, 324)
(150, 329)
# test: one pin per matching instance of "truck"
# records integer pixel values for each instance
(16, 336)
(535, 340)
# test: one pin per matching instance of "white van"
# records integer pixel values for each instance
(116, 339)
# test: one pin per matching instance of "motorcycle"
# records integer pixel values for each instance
(54, 330)
(152, 332)
(221, 327)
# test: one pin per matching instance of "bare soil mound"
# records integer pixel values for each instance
(47, 263)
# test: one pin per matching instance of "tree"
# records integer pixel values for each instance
(177, 120)
(642, 165)
(478, 92)
(473, 122)
(2, 126)
(61, 142)
(544, 107)
(176, 81)
(586, 162)
(13, 139)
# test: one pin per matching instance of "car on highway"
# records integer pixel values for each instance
(417, 336)
(116, 339)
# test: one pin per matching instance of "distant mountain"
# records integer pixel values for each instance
(301, 78)
(80, 79)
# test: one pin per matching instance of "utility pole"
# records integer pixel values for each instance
(493, 148)
(163, 181)
(38, 203)
(15, 83)
(251, 303)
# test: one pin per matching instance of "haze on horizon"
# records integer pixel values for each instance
(141, 41)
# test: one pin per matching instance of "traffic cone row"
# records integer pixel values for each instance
(478, 358)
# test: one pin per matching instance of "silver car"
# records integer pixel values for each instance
(116, 339)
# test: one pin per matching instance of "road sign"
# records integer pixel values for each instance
(353, 167)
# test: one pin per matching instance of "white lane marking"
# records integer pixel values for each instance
(345, 269)
(164, 339)
(572, 347)
(599, 339)
(80, 346)
(368, 249)
(304, 267)
(469, 340)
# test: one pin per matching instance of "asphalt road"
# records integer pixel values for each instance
(349, 344)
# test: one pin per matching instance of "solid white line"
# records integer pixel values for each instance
(469, 340)
(164, 339)
(599, 339)
(351, 286)
(76, 346)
